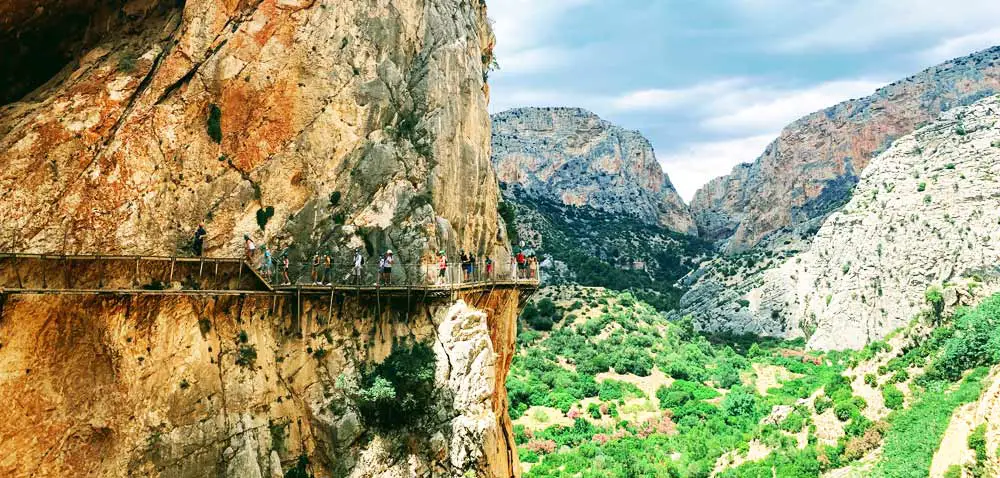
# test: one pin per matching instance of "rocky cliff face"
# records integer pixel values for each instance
(310, 125)
(810, 169)
(924, 214)
(572, 157)
(323, 125)
(246, 387)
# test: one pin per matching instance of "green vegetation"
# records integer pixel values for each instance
(246, 355)
(708, 408)
(892, 397)
(605, 250)
(215, 123)
(264, 215)
(917, 431)
(126, 62)
(396, 392)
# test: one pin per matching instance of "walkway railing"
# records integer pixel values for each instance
(427, 275)
(97, 273)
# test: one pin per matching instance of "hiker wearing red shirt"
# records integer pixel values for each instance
(522, 263)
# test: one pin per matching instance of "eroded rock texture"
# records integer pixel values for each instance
(342, 123)
(924, 214)
(810, 169)
(154, 386)
(571, 156)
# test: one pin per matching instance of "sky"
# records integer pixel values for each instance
(712, 82)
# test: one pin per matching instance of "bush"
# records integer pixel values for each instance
(975, 343)
(263, 215)
(871, 379)
(681, 392)
(741, 402)
(398, 391)
(977, 443)
(935, 299)
(846, 410)
(794, 422)
(215, 123)
(822, 404)
(953, 471)
(892, 396)
(246, 356)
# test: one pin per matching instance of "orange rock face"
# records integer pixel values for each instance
(383, 104)
(353, 124)
(153, 386)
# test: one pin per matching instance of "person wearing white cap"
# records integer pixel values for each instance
(387, 270)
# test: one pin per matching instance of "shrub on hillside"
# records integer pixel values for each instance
(822, 404)
(892, 396)
(976, 341)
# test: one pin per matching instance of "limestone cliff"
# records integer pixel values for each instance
(311, 125)
(165, 386)
(810, 169)
(573, 157)
(924, 214)
(322, 124)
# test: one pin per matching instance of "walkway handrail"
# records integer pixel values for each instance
(44, 271)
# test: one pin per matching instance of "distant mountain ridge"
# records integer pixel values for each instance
(812, 167)
(573, 157)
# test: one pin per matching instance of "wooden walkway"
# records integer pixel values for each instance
(167, 276)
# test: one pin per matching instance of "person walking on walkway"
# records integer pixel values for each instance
(315, 269)
(284, 269)
(199, 240)
(442, 267)
(464, 260)
(327, 268)
(522, 265)
(387, 270)
(268, 266)
(249, 248)
(359, 262)
(489, 267)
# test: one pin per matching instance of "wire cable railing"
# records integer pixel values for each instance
(346, 273)
(54, 272)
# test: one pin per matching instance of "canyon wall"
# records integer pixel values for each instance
(811, 168)
(161, 386)
(923, 215)
(307, 123)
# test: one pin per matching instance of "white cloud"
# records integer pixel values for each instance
(864, 24)
(672, 99)
(524, 30)
(773, 109)
(961, 45)
(537, 59)
(743, 106)
(693, 165)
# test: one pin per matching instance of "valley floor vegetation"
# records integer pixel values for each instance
(605, 386)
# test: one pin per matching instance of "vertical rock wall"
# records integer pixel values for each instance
(320, 124)
(153, 386)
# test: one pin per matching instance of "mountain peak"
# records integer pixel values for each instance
(574, 157)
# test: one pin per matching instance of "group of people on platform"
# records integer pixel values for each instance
(321, 269)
